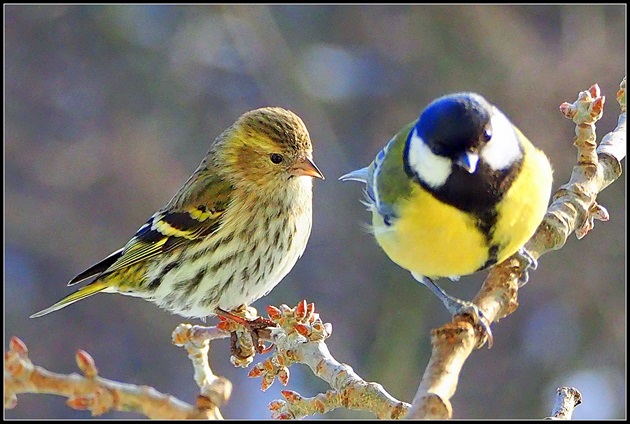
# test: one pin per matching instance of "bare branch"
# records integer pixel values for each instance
(91, 392)
(215, 390)
(299, 338)
(567, 399)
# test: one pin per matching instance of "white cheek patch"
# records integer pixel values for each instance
(504, 148)
(431, 169)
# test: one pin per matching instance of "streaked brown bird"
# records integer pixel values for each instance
(230, 234)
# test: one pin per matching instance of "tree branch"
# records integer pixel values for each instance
(91, 392)
(567, 399)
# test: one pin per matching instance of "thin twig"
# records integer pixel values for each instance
(567, 399)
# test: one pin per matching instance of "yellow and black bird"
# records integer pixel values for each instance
(456, 191)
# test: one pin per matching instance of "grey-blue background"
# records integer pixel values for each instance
(108, 109)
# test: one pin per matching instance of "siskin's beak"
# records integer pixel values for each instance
(306, 167)
(468, 162)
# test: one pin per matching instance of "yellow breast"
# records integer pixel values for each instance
(432, 238)
(525, 204)
(435, 239)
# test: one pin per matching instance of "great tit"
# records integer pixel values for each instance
(456, 191)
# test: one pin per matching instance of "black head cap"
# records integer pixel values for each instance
(455, 123)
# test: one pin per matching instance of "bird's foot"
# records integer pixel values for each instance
(460, 307)
(530, 263)
(463, 307)
(242, 316)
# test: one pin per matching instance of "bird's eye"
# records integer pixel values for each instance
(276, 158)
(487, 134)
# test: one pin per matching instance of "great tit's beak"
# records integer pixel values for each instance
(306, 167)
(468, 162)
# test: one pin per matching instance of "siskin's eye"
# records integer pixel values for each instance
(276, 158)
(487, 134)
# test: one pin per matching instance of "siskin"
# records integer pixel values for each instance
(456, 191)
(230, 234)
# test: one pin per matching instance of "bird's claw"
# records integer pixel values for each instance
(530, 263)
(253, 326)
(479, 320)
(256, 325)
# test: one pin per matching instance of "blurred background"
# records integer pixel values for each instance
(109, 109)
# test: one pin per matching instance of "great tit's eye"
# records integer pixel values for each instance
(276, 158)
(487, 134)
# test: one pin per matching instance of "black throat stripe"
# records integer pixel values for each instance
(478, 194)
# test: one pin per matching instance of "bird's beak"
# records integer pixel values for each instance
(306, 167)
(468, 162)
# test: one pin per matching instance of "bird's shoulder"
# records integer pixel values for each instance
(193, 214)
(389, 181)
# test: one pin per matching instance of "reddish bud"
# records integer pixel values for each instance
(598, 104)
(300, 310)
(302, 329)
(594, 90)
(276, 405)
(80, 403)
(267, 349)
(255, 372)
(86, 364)
(266, 383)
(18, 346)
(283, 376)
(273, 312)
(567, 109)
(268, 366)
(279, 360)
(321, 407)
(225, 326)
(290, 395)
(284, 416)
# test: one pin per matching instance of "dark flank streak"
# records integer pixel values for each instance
(203, 252)
(276, 238)
(245, 275)
(155, 283)
(223, 262)
(168, 300)
(191, 285)
(214, 294)
(228, 238)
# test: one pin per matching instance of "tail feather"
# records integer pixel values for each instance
(98, 268)
(360, 175)
(80, 294)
